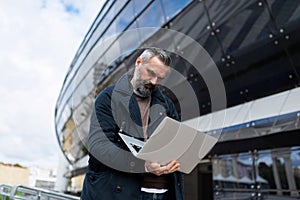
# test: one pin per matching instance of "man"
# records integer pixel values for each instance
(135, 106)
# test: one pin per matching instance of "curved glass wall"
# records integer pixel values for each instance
(245, 39)
(72, 111)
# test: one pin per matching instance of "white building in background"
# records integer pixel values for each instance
(13, 174)
(42, 177)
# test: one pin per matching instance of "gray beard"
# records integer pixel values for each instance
(142, 91)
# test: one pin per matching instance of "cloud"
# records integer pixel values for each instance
(38, 42)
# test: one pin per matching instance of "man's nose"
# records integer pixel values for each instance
(154, 80)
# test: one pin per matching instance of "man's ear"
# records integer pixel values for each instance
(138, 62)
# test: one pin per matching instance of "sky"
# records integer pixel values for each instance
(38, 39)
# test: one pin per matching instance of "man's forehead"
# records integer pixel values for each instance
(155, 61)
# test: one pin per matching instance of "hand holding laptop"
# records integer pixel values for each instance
(158, 169)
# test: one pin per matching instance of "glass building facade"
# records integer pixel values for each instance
(255, 46)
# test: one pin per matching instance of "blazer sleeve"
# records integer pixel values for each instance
(102, 142)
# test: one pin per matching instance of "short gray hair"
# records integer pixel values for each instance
(154, 51)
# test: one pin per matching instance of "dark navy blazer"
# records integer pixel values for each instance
(113, 172)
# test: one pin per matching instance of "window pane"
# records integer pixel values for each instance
(171, 8)
(153, 16)
(121, 22)
(139, 5)
(278, 172)
(285, 12)
(131, 41)
(239, 23)
(233, 176)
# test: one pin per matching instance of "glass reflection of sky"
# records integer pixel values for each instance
(295, 156)
(152, 17)
(245, 159)
(173, 7)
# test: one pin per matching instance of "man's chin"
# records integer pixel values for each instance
(146, 93)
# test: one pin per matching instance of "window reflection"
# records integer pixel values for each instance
(139, 6)
(171, 8)
(268, 174)
(132, 40)
(232, 173)
(285, 12)
(279, 170)
(153, 16)
(95, 24)
(254, 23)
(121, 22)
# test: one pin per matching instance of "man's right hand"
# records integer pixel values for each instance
(157, 169)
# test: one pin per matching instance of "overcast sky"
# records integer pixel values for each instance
(39, 39)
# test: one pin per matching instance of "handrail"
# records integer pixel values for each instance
(22, 192)
(261, 190)
(258, 191)
(5, 191)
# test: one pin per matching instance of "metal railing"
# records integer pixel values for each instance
(5, 192)
(257, 194)
(32, 193)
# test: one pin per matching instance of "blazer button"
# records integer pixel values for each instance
(132, 164)
(92, 178)
(118, 189)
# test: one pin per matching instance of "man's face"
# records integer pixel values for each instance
(148, 75)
